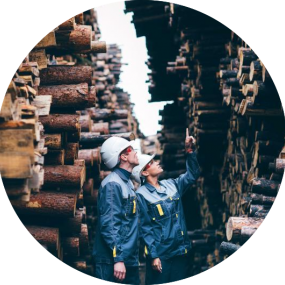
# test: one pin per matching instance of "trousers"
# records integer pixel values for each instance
(105, 272)
(173, 269)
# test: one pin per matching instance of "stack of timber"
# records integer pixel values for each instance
(51, 104)
(239, 133)
(22, 145)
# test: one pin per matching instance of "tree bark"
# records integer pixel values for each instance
(58, 75)
(265, 187)
(258, 199)
(228, 248)
(107, 115)
(76, 96)
(64, 176)
(53, 141)
(235, 224)
(46, 236)
(71, 153)
(48, 204)
(102, 128)
(60, 123)
(55, 157)
(91, 140)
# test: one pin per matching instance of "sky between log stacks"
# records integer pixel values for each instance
(116, 27)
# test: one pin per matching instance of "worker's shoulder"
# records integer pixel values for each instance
(142, 190)
(112, 179)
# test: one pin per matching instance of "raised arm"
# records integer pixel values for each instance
(184, 181)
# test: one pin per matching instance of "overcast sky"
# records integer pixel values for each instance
(116, 27)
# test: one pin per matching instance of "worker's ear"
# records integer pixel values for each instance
(145, 173)
(123, 157)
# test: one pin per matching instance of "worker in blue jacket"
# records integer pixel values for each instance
(116, 240)
(162, 219)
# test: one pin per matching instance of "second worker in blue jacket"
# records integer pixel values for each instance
(162, 221)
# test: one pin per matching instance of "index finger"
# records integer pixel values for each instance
(187, 132)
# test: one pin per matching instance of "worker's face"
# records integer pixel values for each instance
(130, 155)
(153, 168)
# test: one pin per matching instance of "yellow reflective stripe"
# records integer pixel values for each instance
(185, 250)
(145, 250)
(160, 211)
(114, 252)
(176, 215)
(153, 219)
(135, 206)
(182, 233)
(170, 198)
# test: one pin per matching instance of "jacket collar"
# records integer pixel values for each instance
(124, 174)
(151, 188)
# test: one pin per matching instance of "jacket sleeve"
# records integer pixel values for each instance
(184, 181)
(111, 215)
(146, 227)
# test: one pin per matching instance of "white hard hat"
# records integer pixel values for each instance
(111, 149)
(144, 159)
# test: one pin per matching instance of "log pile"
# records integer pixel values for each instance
(224, 94)
(63, 103)
(22, 146)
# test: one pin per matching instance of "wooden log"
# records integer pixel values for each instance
(246, 233)
(234, 225)
(16, 188)
(48, 204)
(96, 47)
(87, 155)
(228, 248)
(55, 157)
(64, 176)
(46, 236)
(58, 75)
(53, 141)
(84, 240)
(39, 56)
(71, 153)
(67, 25)
(48, 41)
(76, 40)
(79, 19)
(258, 199)
(265, 187)
(92, 140)
(106, 114)
(85, 123)
(258, 208)
(15, 165)
(72, 96)
(88, 187)
(102, 128)
(58, 123)
(71, 246)
(228, 74)
(43, 104)
(280, 165)
(67, 226)
(255, 71)
(17, 141)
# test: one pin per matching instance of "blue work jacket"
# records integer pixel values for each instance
(162, 221)
(117, 225)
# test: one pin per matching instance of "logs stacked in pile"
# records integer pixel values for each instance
(205, 253)
(21, 144)
(56, 216)
(152, 19)
(202, 43)
(255, 136)
(250, 131)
